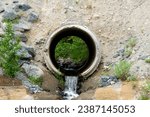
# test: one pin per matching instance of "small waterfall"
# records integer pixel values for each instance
(70, 87)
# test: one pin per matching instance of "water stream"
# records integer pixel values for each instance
(70, 91)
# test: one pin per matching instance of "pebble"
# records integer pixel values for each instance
(33, 17)
(107, 80)
(2, 10)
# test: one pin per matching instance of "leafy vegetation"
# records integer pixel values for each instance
(121, 70)
(131, 43)
(72, 47)
(35, 80)
(9, 45)
(129, 47)
(60, 80)
(147, 60)
(131, 78)
(145, 94)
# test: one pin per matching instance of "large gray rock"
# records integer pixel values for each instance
(23, 53)
(22, 26)
(30, 49)
(32, 70)
(33, 17)
(10, 15)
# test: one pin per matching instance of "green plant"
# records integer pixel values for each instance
(145, 94)
(9, 46)
(60, 80)
(131, 43)
(121, 70)
(147, 60)
(128, 52)
(72, 47)
(131, 78)
(35, 80)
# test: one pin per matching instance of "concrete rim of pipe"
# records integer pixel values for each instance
(73, 30)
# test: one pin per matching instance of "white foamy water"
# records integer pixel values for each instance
(70, 91)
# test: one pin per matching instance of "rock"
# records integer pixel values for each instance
(107, 80)
(24, 55)
(30, 49)
(10, 15)
(15, 1)
(21, 76)
(22, 26)
(23, 7)
(144, 57)
(22, 36)
(33, 17)
(32, 70)
(32, 88)
(2, 10)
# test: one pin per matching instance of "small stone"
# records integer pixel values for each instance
(15, 1)
(24, 55)
(33, 17)
(107, 80)
(112, 82)
(2, 10)
(116, 55)
(9, 15)
(23, 7)
(22, 26)
(22, 36)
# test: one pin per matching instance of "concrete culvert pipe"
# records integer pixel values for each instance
(89, 38)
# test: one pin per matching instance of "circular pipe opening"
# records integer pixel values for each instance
(88, 37)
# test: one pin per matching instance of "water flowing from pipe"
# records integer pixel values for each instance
(70, 91)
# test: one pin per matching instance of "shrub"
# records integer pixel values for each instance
(60, 80)
(128, 52)
(131, 78)
(147, 60)
(9, 45)
(35, 80)
(121, 70)
(131, 43)
(145, 94)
